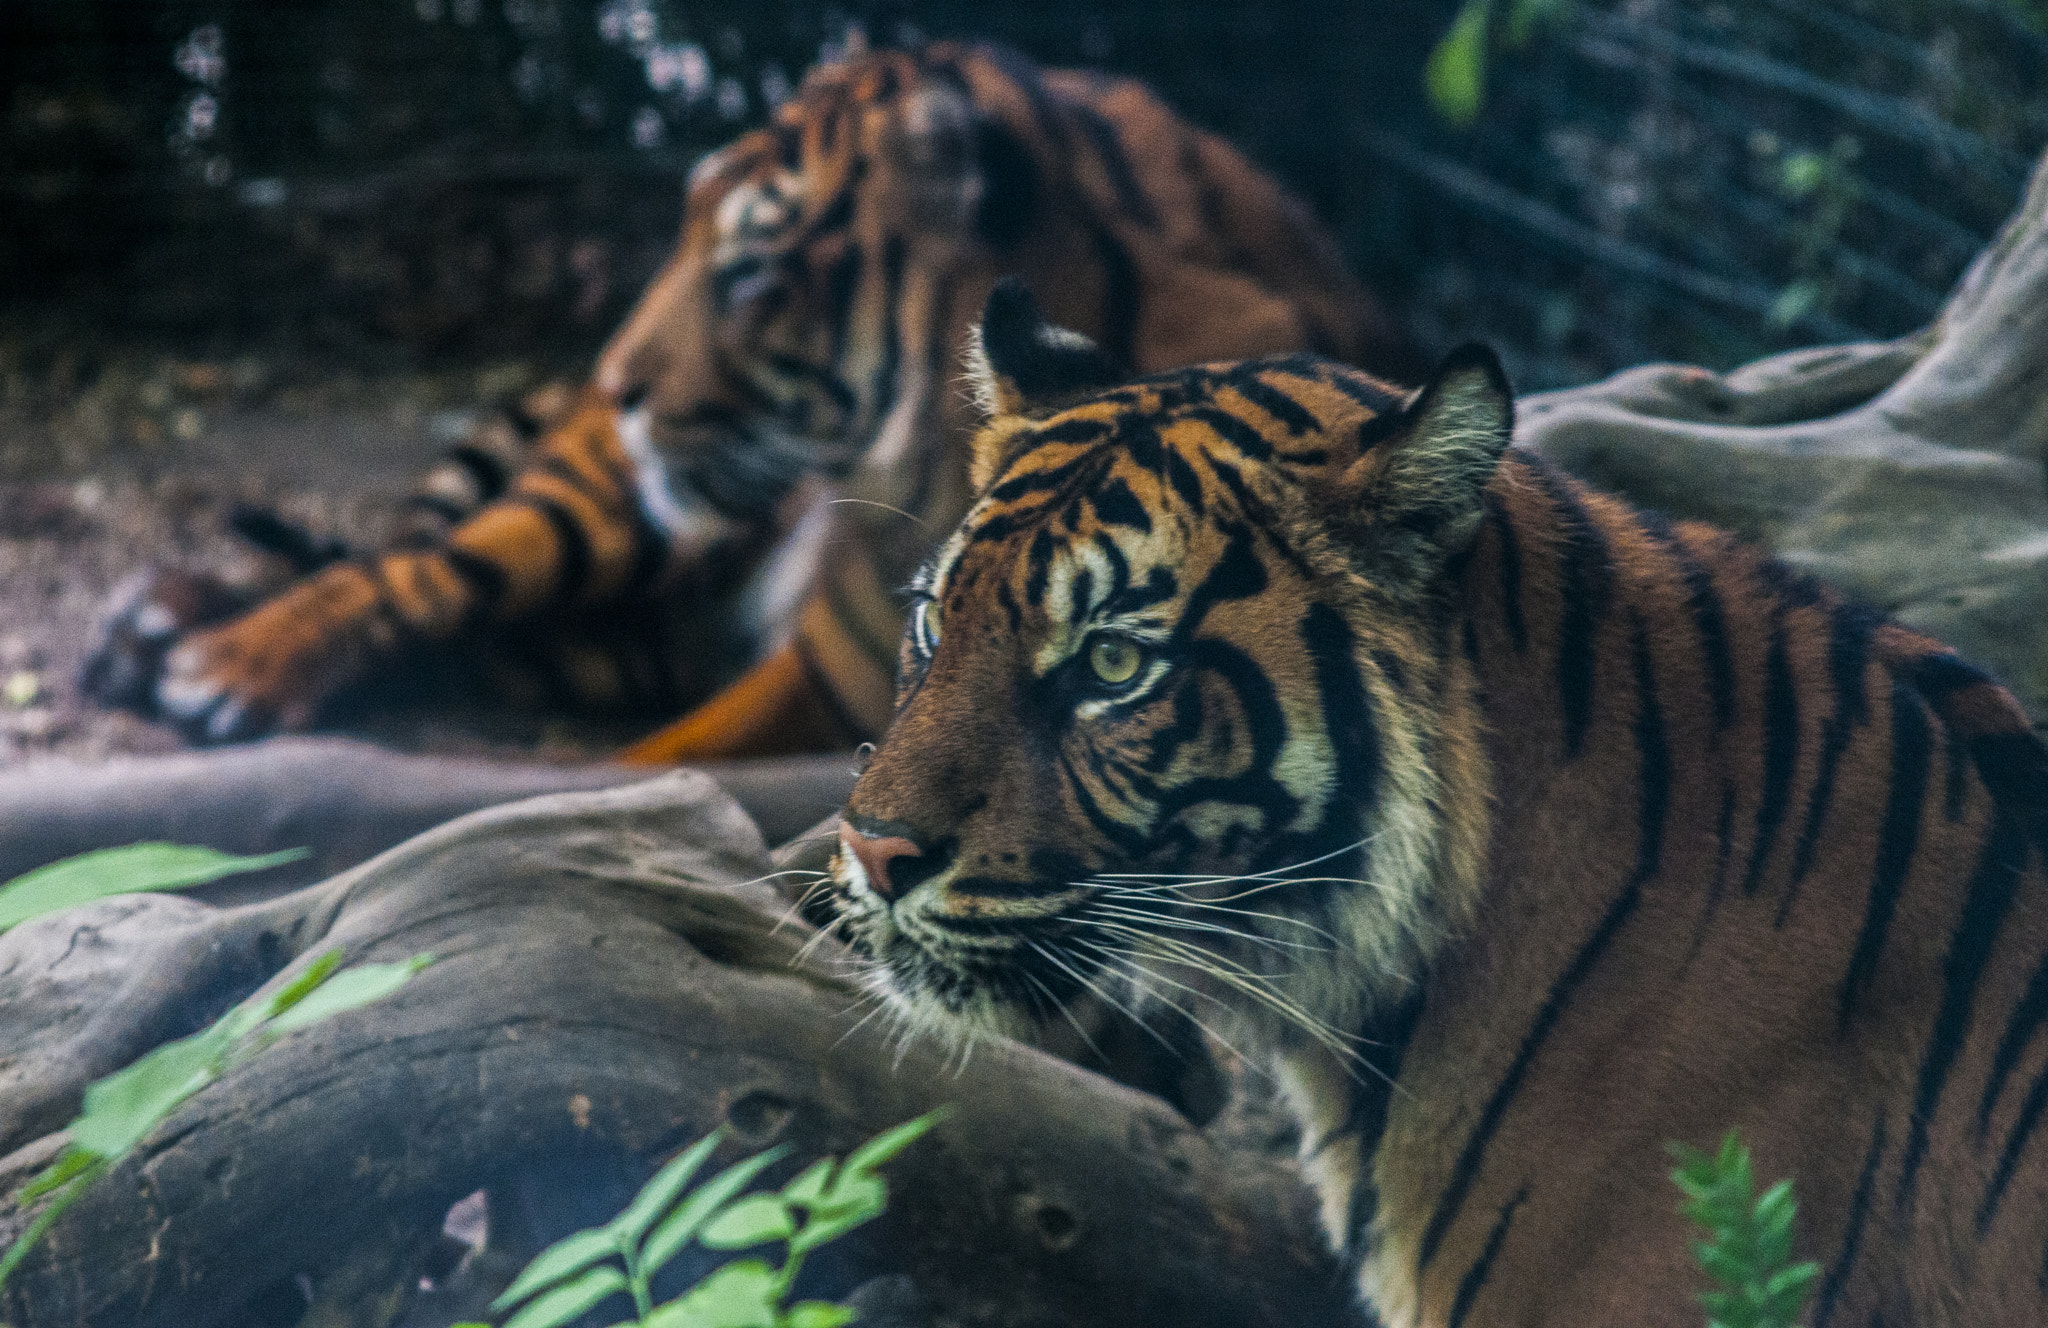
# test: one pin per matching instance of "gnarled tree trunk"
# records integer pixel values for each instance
(612, 983)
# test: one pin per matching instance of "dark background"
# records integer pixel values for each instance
(391, 183)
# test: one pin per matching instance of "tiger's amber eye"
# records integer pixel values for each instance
(1114, 659)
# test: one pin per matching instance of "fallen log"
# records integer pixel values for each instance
(343, 800)
(612, 982)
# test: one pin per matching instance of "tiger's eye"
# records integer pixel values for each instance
(924, 625)
(1114, 659)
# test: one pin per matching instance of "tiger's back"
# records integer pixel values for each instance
(1572, 832)
(800, 341)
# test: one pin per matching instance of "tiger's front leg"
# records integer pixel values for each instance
(568, 534)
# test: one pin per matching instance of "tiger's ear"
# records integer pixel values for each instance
(1019, 364)
(1021, 368)
(1414, 499)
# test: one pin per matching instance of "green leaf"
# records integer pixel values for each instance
(889, 1143)
(123, 871)
(1794, 303)
(678, 1227)
(810, 1185)
(571, 1254)
(854, 1200)
(1524, 15)
(754, 1220)
(126, 1105)
(302, 986)
(568, 1301)
(34, 1231)
(359, 986)
(71, 1162)
(661, 1191)
(742, 1294)
(1455, 76)
(819, 1314)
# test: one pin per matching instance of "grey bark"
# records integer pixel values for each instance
(612, 984)
(1908, 472)
(343, 800)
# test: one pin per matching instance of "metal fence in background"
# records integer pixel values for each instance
(1595, 183)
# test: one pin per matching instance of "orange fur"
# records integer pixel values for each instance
(853, 238)
(1522, 831)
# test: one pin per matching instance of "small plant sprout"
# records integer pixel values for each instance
(1748, 1249)
(823, 1202)
(121, 1109)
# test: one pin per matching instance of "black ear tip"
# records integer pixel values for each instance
(1472, 355)
(1010, 308)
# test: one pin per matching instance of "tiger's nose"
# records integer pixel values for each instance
(875, 856)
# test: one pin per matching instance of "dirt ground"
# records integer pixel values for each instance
(112, 462)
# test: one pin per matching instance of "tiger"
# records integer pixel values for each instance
(796, 345)
(1519, 831)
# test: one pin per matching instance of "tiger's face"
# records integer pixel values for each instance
(1178, 703)
(795, 322)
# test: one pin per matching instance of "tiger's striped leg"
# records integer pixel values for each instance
(568, 534)
(779, 707)
(829, 688)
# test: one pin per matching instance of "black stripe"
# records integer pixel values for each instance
(486, 473)
(565, 471)
(1585, 582)
(2019, 1030)
(1724, 847)
(1897, 840)
(1703, 602)
(1475, 1277)
(1385, 1041)
(1351, 382)
(1291, 414)
(1849, 636)
(650, 556)
(1116, 505)
(1102, 136)
(1510, 555)
(446, 508)
(1941, 673)
(1654, 777)
(1958, 775)
(2015, 1144)
(1781, 754)
(1018, 68)
(1184, 480)
(842, 283)
(886, 382)
(1984, 909)
(485, 579)
(1346, 708)
(572, 567)
(1653, 753)
(1852, 1232)
(1039, 560)
(1119, 296)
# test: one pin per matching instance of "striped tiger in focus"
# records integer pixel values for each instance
(1521, 830)
(798, 344)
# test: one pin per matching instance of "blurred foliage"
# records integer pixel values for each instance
(1588, 183)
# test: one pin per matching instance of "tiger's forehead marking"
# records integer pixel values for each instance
(1116, 509)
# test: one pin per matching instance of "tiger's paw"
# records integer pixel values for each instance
(169, 653)
(147, 615)
(274, 667)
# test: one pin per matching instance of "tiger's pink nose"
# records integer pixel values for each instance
(875, 855)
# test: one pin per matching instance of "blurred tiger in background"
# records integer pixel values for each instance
(1523, 832)
(800, 344)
